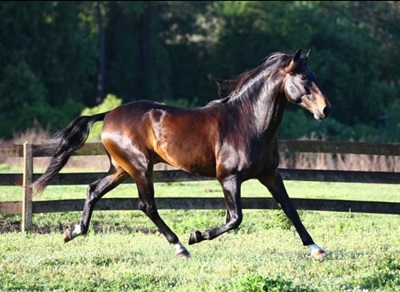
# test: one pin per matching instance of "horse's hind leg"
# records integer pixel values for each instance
(95, 192)
(144, 182)
(275, 185)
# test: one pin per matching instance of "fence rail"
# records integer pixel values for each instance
(27, 207)
(306, 146)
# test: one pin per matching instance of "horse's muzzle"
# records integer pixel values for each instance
(320, 115)
(327, 110)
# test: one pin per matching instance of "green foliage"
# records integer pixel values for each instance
(389, 127)
(109, 103)
(281, 220)
(52, 40)
(385, 277)
(19, 88)
(172, 51)
(257, 283)
(24, 102)
(298, 124)
(47, 59)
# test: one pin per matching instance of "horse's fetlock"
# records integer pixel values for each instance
(195, 237)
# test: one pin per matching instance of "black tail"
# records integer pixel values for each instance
(66, 142)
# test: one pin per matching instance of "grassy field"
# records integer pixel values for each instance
(265, 254)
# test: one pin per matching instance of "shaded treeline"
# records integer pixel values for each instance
(59, 57)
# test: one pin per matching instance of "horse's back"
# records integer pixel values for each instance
(128, 121)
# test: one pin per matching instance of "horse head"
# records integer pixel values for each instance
(300, 87)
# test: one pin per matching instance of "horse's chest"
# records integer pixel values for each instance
(249, 159)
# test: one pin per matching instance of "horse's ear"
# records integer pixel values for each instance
(308, 54)
(297, 55)
(293, 63)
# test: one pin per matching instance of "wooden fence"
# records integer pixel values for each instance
(28, 207)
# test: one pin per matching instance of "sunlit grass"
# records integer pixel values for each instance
(364, 249)
(366, 258)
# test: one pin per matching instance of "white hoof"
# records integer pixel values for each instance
(317, 252)
(71, 233)
(180, 251)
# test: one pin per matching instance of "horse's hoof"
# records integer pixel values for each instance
(184, 254)
(318, 254)
(195, 237)
(67, 235)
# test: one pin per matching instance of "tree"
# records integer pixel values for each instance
(349, 61)
(48, 41)
(19, 88)
(173, 51)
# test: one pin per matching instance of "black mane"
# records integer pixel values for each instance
(231, 88)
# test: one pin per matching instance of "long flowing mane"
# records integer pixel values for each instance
(232, 88)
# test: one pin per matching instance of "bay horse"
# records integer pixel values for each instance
(232, 139)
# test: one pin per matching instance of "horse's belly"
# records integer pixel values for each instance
(187, 156)
(198, 168)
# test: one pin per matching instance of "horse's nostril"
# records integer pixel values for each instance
(327, 110)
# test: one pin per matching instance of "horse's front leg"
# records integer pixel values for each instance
(231, 188)
(275, 185)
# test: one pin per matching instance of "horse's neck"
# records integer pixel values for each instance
(267, 109)
(272, 113)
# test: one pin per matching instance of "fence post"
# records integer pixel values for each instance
(27, 189)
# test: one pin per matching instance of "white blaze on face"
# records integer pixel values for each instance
(321, 103)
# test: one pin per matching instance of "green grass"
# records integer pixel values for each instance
(366, 259)
(265, 254)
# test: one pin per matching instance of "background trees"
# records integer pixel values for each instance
(51, 57)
